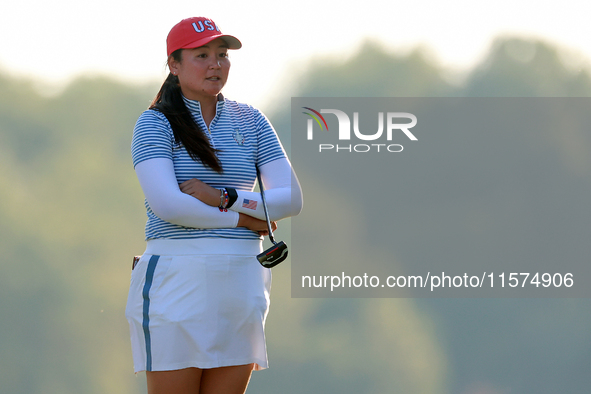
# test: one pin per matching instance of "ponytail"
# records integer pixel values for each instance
(169, 101)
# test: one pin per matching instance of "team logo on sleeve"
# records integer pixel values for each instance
(238, 137)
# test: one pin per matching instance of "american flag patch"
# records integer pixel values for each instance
(250, 204)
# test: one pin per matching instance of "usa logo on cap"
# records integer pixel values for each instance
(195, 32)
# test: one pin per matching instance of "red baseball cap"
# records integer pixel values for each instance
(195, 32)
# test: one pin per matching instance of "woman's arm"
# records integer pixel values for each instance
(283, 193)
(158, 181)
(159, 184)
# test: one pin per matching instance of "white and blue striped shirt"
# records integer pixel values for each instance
(245, 139)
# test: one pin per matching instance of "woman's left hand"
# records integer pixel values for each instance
(201, 191)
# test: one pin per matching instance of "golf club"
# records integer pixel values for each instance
(278, 252)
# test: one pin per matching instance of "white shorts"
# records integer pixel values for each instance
(198, 303)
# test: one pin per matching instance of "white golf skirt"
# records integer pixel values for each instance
(198, 303)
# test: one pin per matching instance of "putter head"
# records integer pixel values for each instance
(274, 255)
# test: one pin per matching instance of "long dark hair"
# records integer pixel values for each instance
(169, 101)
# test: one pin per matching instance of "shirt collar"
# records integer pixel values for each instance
(194, 106)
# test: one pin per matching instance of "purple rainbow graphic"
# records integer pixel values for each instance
(315, 118)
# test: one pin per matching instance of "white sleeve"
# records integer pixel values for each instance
(169, 203)
(283, 193)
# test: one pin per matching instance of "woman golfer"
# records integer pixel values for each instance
(199, 297)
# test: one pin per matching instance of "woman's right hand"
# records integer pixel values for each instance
(255, 224)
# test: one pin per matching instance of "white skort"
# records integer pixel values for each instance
(198, 303)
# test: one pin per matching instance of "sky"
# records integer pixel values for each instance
(56, 41)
